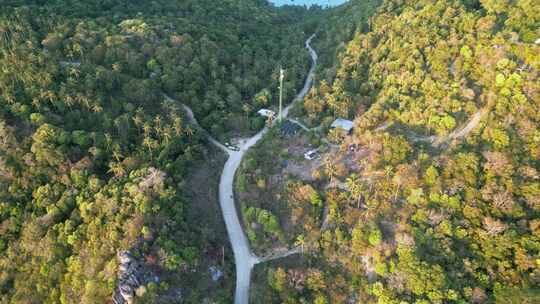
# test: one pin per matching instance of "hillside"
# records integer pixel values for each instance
(123, 124)
(434, 197)
(103, 180)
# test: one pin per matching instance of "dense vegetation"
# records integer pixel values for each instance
(94, 160)
(441, 204)
(435, 197)
(277, 207)
(336, 28)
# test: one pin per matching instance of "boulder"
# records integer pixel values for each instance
(128, 278)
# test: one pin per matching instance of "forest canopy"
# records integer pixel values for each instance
(95, 147)
(433, 198)
(441, 203)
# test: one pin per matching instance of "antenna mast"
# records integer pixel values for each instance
(281, 77)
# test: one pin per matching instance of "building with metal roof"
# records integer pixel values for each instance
(343, 124)
(288, 128)
(266, 113)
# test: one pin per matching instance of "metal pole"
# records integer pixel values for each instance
(281, 76)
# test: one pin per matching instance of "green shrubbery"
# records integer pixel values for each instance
(262, 225)
(93, 157)
(421, 222)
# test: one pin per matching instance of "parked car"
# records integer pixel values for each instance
(310, 155)
(231, 147)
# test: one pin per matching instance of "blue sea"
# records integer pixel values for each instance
(308, 2)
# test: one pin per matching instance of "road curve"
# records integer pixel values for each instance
(438, 141)
(194, 122)
(243, 256)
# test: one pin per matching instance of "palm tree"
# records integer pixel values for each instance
(117, 152)
(189, 131)
(167, 134)
(332, 102)
(355, 187)
(97, 108)
(137, 120)
(147, 128)
(108, 141)
(300, 241)
(388, 171)
(330, 169)
(177, 125)
(246, 108)
(35, 102)
(69, 101)
(157, 121)
(117, 169)
(149, 143)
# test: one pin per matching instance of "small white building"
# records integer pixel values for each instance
(310, 155)
(343, 124)
(266, 113)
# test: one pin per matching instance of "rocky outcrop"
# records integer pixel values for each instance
(128, 278)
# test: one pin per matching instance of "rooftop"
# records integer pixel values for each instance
(288, 128)
(344, 124)
(266, 113)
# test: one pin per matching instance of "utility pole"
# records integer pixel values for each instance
(223, 256)
(281, 76)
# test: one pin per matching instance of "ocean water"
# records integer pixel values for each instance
(308, 2)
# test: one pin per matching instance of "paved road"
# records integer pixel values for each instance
(243, 256)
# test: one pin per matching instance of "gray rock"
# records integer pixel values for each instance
(215, 273)
(128, 280)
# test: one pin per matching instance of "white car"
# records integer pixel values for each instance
(231, 147)
(310, 155)
(267, 113)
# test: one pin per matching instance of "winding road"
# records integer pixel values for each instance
(244, 258)
(438, 141)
